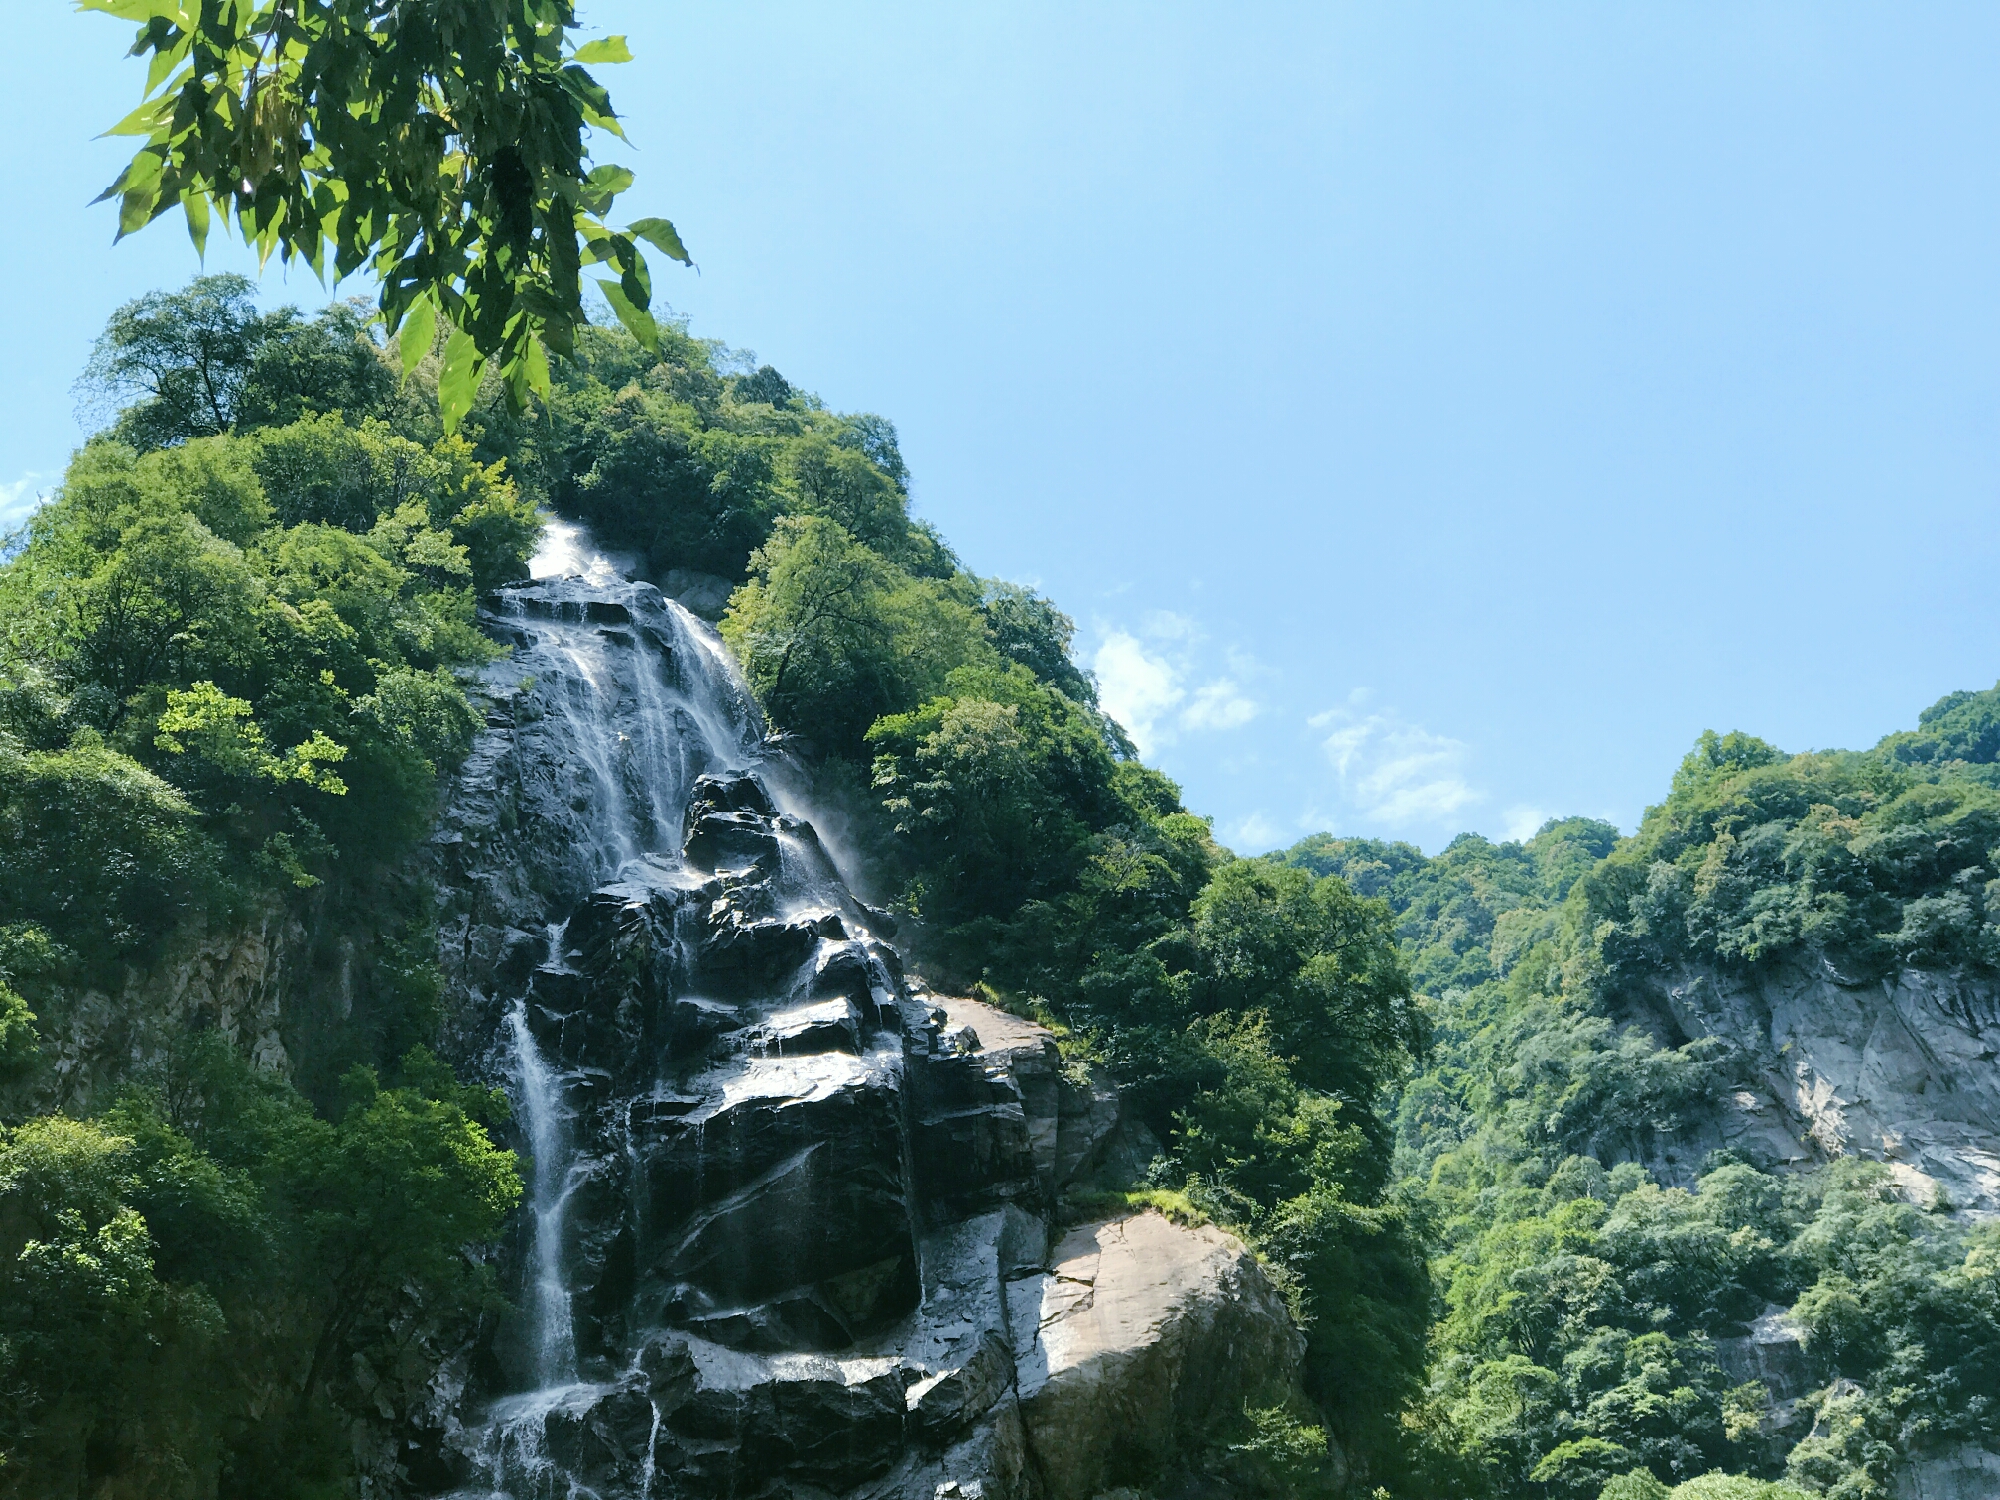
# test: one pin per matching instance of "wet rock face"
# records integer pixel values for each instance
(788, 1227)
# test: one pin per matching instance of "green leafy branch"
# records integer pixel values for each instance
(440, 146)
(220, 729)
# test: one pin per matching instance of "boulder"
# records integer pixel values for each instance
(704, 594)
(1774, 1352)
(1140, 1339)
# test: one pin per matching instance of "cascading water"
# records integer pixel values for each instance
(681, 961)
(777, 1206)
(538, 1106)
(787, 1221)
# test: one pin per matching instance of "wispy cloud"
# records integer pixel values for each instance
(1218, 705)
(1152, 682)
(1391, 770)
(1253, 835)
(18, 501)
(1522, 821)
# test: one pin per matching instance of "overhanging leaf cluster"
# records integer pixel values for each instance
(438, 143)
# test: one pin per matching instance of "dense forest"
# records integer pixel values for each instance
(235, 649)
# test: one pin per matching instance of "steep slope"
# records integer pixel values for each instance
(1899, 1070)
(1711, 1122)
(791, 1221)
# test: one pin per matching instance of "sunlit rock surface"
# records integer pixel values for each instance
(789, 1218)
(1139, 1334)
(1905, 1071)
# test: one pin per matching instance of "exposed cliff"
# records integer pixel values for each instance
(794, 1220)
(1900, 1070)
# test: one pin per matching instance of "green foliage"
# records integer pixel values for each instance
(190, 1285)
(1635, 1484)
(100, 1359)
(1408, 1081)
(220, 730)
(1316, 959)
(1471, 913)
(172, 693)
(834, 636)
(18, 1040)
(203, 362)
(1289, 1454)
(100, 849)
(1720, 1486)
(444, 153)
(1028, 629)
(1362, 1288)
(1579, 1303)
(671, 460)
(1867, 860)
(650, 477)
(995, 787)
(1958, 733)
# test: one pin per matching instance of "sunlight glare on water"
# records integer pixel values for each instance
(566, 551)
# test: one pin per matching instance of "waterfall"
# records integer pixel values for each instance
(539, 1103)
(665, 943)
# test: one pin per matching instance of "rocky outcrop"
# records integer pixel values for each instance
(703, 594)
(1773, 1353)
(1901, 1071)
(794, 1219)
(251, 982)
(1967, 1472)
(1139, 1334)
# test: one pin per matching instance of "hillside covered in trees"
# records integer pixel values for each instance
(1438, 1095)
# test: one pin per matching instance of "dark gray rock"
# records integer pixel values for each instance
(1773, 1352)
(788, 1215)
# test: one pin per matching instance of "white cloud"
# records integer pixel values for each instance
(1136, 687)
(1165, 625)
(1253, 835)
(1392, 770)
(1143, 683)
(1218, 705)
(1522, 822)
(18, 501)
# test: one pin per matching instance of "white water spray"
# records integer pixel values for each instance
(541, 1110)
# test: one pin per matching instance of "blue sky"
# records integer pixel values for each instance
(1433, 415)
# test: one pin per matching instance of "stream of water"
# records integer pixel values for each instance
(626, 701)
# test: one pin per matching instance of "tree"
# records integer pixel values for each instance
(99, 849)
(324, 363)
(644, 480)
(439, 146)
(1028, 629)
(1321, 962)
(187, 353)
(18, 1041)
(386, 1198)
(995, 787)
(203, 361)
(104, 1366)
(833, 636)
